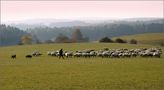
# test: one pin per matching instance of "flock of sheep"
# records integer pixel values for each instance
(143, 52)
(109, 53)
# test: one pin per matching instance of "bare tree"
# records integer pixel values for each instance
(77, 36)
(26, 39)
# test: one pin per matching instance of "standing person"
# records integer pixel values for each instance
(61, 54)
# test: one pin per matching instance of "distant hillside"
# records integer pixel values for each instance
(35, 23)
(68, 24)
(97, 31)
(25, 26)
(10, 35)
(148, 38)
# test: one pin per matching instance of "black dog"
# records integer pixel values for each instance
(13, 56)
(28, 56)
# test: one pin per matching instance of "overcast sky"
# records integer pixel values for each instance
(23, 10)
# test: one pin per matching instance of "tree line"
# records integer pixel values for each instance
(76, 36)
(97, 31)
(12, 36)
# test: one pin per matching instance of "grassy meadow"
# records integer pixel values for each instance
(50, 73)
(147, 38)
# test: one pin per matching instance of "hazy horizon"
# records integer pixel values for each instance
(79, 10)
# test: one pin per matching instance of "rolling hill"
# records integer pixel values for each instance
(148, 38)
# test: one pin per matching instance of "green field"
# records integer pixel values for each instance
(51, 73)
(148, 38)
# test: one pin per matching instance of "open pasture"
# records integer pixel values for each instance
(147, 38)
(50, 73)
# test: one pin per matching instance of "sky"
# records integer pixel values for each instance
(24, 10)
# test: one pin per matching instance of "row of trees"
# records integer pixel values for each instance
(12, 36)
(76, 36)
(97, 31)
(117, 40)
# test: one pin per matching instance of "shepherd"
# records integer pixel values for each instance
(61, 54)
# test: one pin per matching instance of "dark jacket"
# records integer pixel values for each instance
(61, 52)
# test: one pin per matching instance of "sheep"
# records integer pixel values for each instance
(118, 53)
(53, 53)
(126, 54)
(115, 54)
(77, 54)
(106, 54)
(49, 53)
(99, 54)
(157, 54)
(68, 54)
(133, 54)
(36, 53)
(92, 53)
